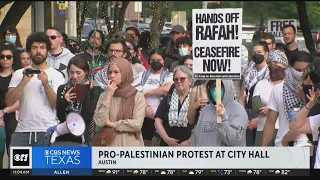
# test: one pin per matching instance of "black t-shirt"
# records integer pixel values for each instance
(180, 133)
(289, 53)
(4, 81)
(9, 119)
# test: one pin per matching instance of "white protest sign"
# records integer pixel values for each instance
(216, 43)
(275, 26)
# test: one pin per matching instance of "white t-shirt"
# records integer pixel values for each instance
(153, 82)
(276, 104)
(314, 125)
(263, 89)
(36, 114)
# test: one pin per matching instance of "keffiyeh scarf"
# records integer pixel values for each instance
(290, 86)
(178, 118)
(76, 106)
(101, 77)
(252, 77)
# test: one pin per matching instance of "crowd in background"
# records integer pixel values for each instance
(130, 95)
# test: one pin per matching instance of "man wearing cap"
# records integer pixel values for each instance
(73, 45)
(134, 33)
(172, 53)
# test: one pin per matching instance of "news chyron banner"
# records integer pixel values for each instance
(200, 158)
(217, 43)
(125, 161)
(51, 161)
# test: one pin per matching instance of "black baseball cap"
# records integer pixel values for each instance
(178, 29)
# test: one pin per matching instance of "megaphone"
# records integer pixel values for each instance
(74, 124)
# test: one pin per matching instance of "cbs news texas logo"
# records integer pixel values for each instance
(20, 157)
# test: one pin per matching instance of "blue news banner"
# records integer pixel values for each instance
(51, 161)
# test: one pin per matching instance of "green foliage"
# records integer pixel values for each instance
(251, 9)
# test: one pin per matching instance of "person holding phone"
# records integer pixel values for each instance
(77, 96)
(277, 64)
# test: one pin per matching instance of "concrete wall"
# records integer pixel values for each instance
(24, 26)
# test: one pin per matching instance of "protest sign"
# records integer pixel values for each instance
(217, 43)
(275, 26)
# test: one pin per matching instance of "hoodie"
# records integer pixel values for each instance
(232, 130)
(61, 62)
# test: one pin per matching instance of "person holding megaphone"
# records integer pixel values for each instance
(76, 103)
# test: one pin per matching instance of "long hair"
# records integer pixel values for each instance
(13, 29)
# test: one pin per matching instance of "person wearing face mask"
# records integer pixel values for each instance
(303, 122)
(73, 45)
(257, 71)
(284, 99)
(232, 130)
(11, 35)
(184, 45)
(277, 63)
(154, 83)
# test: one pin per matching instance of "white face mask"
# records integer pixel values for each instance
(183, 51)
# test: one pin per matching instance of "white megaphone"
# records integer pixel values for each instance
(74, 124)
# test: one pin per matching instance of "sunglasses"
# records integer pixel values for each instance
(53, 37)
(8, 57)
(183, 79)
(72, 45)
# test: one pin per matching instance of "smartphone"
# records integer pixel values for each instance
(80, 90)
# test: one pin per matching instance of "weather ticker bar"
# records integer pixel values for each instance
(200, 172)
(173, 172)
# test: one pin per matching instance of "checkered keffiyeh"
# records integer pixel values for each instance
(290, 86)
(278, 56)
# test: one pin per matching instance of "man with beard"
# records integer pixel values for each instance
(289, 35)
(116, 48)
(36, 93)
(59, 56)
(95, 42)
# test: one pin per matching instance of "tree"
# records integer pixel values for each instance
(305, 26)
(86, 5)
(120, 8)
(15, 13)
(160, 9)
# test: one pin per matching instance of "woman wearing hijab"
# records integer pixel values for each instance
(121, 107)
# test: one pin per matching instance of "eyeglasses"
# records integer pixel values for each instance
(117, 51)
(53, 37)
(182, 80)
(8, 57)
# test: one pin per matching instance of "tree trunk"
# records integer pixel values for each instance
(13, 16)
(159, 17)
(83, 18)
(105, 12)
(78, 17)
(305, 26)
(118, 15)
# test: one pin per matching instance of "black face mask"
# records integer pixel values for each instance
(156, 66)
(73, 50)
(258, 58)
